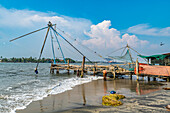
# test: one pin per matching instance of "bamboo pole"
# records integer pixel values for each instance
(154, 78)
(36, 71)
(94, 71)
(75, 71)
(57, 72)
(148, 61)
(52, 71)
(82, 71)
(148, 78)
(168, 79)
(137, 69)
(130, 75)
(68, 66)
(114, 73)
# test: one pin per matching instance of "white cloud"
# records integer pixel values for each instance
(14, 23)
(13, 18)
(145, 29)
(133, 40)
(101, 36)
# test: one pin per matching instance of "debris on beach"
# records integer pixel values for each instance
(112, 92)
(112, 100)
(168, 107)
(166, 88)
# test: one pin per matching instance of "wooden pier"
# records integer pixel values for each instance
(114, 69)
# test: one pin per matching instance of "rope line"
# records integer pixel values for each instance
(59, 46)
(36, 71)
(52, 46)
(94, 52)
(115, 51)
(71, 44)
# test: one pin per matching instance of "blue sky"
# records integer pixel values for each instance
(101, 25)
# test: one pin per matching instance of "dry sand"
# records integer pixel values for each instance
(87, 98)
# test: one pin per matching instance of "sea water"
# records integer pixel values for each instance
(19, 85)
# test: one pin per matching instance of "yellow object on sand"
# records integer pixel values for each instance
(112, 100)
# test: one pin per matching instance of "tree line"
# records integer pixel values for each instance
(34, 60)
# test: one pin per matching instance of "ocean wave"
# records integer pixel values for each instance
(23, 93)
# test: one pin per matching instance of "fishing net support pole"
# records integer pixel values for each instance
(36, 71)
(30, 33)
(129, 53)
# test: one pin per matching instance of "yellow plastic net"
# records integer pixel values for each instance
(112, 100)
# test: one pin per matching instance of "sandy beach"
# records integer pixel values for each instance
(140, 97)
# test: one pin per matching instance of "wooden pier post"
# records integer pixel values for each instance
(114, 73)
(57, 72)
(68, 66)
(78, 73)
(143, 77)
(148, 78)
(52, 71)
(82, 67)
(51, 68)
(154, 78)
(137, 69)
(168, 79)
(75, 71)
(148, 60)
(130, 75)
(94, 71)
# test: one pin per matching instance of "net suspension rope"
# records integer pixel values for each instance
(59, 47)
(82, 44)
(50, 26)
(52, 46)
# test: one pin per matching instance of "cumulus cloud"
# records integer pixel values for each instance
(133, 40)
(13, 18)
(145, 29)
(101, 36)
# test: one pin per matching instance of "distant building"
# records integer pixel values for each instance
(162, 59)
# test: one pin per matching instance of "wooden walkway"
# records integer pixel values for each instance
(115, 69)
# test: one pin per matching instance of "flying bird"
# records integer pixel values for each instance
(161, 44)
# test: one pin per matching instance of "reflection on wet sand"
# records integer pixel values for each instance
(138, 88)
(147, 88)
(91, 94)
(105, 87)
(83, 93)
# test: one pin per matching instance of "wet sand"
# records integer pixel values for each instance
(140, 97)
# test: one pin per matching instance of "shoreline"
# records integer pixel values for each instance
(87, 97)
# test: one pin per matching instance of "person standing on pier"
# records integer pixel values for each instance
(104, 74)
